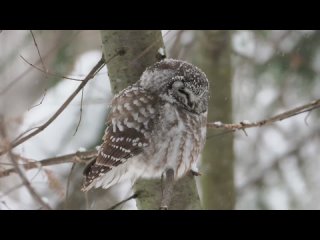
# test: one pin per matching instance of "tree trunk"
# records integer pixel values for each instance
(212, 54)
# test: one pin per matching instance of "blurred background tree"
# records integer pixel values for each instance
(253, 74)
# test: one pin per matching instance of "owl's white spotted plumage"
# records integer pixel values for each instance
(156, 124)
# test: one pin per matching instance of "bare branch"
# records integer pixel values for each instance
(24, 179)
(167, 190)
(74, 157)
(246, 124)
(91, 74)
(77, 157)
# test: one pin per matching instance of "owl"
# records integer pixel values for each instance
(156, 124)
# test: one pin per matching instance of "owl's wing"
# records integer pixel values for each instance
(129, 122)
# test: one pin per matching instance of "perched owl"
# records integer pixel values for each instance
(153, 125)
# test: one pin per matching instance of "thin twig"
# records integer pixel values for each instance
(41, 101)
(80, 113)
(25, 72)
(92, 73)
(44, 67)
(69, 158)
(246, 124)
(167, 189)
(137, 194)
(50, 73)
(35, 43)
(24, 179)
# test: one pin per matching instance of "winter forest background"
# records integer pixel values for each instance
(254, 75)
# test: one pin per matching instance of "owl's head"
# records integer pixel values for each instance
(179, 83)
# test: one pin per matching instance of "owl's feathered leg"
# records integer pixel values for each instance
(167, 190)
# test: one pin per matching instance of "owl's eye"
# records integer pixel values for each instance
(187, 97)
(183, 94)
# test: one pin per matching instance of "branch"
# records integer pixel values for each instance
(24, 179)
(167, 190)
(247, 124)
(86, 155)
(77, 157)
(91, 74)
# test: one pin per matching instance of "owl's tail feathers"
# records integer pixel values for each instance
(97, 175)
